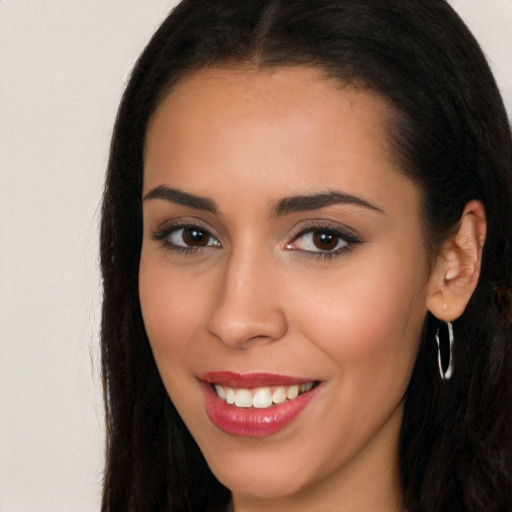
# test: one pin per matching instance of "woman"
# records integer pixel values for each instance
(307, 212)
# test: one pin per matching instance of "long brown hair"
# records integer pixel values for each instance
(451, 137)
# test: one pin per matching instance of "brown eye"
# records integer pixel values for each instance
(195, 237)
(325, 241)
(188, 237)
(322, 241)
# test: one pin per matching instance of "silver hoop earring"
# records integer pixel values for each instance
(445, 375)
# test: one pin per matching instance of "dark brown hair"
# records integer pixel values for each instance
(451, 136)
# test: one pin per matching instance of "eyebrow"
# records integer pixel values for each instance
(299, 203)
(184, 198)
(320, 200)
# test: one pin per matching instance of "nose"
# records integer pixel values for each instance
(247, 307)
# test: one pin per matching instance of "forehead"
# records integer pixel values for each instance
(276, 132)
(239, 94)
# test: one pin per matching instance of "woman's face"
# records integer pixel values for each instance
(282, 254)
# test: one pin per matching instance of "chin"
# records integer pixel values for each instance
(261, 482)
(262, 471)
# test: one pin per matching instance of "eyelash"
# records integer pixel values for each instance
(318, 227)
(163, 234)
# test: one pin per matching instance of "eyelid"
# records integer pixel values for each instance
(342, 233)
(163, 232)
(184, 222)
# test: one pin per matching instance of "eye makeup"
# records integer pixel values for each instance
(317, 239)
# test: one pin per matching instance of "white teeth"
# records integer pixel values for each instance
(230, 396)
(292, 392)
(261, 398)
(243, 398)
(220, 391)
(305, 387)
(279, 395)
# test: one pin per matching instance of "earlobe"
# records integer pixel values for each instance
(457, 267)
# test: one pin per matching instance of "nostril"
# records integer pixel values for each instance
(238, 333)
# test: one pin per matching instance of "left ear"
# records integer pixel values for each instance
(457, 267)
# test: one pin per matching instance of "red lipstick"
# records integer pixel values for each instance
(252, 422)
(250, 380)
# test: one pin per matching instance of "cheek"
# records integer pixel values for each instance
(369, 317)
(171, 306)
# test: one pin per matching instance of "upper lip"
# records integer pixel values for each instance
(251, 380)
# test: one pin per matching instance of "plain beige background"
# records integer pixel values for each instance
(63, 64)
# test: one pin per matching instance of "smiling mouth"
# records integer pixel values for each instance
(255, 404)
(261, 397)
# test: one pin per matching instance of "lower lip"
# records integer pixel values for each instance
(253, 422)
